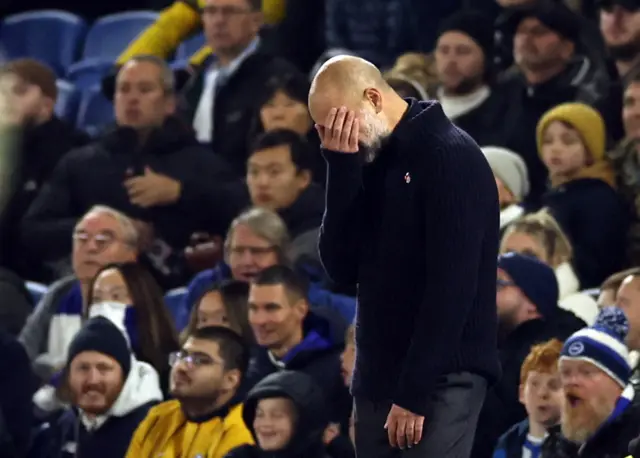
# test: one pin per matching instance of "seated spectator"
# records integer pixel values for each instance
(541, 395)
(583, 199)
(412, 75)
(43, 140)
(609, 288)
(512, 180)
(599, 415)
(538, 235)
(624, 158)
(279, 174)
(17, 385)
(464, 63)
(203, 419)
(258, 239)
(228, 87)
(149, 167)
(293, 337)
(286, 413)
(223, 304)
(528, 313)
(110, 391)
(549, 70)
(284, 106)
(128, 293)
(102, 236)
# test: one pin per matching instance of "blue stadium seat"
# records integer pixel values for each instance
(96, 112)
(179, 64)
(174, 300)
(51, 36)
(37, 290)
(189, 47)
(88, 72)
(110, 35)
(68, 101)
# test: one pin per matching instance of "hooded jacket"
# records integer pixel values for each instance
(317, 355)
(167, 432)
(108, 435)
(303, 219)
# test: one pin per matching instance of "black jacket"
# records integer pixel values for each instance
(236, 103)
(312, 417)
(502, 407)
(612, 441)
(211, 196)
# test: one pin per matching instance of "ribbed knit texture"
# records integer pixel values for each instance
(418, 231)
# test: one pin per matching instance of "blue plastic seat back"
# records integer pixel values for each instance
(174, 300)
(96, 111)
(68, 101)
(190, 46)
(89, 72)
(51, 36)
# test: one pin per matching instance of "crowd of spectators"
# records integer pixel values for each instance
(185, 310)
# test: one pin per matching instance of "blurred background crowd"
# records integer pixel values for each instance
(163, 187)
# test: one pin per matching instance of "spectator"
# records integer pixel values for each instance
(45, 138)
(16, 389)
(149, 167)
(129, 294)
(258, 239)
(539, 235)
(464, 63)
(111, 393)
(284, 106)
(292, 337)
(571, 143)
(286, 413)
(101, 237)
(549, 72)
(226, 90)
(541, 395)
(279, 177)
(512, 180)
(223, 304)
(599, 417)
(202, 419)
(182, 19)
(412, 75)
(624, 158)
(610, 287)
(528, 313)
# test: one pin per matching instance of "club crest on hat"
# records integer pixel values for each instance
(576, 349)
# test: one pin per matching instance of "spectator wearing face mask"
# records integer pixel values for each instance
(110, 392)
(512, 181)
(287, 416)
(583, 198)
(129, 294)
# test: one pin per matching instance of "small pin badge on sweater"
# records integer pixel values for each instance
(407, 178)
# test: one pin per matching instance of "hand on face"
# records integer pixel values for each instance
(340, 132)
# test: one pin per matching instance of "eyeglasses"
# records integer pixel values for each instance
(102, 240)
(191, 360)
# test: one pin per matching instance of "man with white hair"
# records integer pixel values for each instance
(102, 236)
(599, 417)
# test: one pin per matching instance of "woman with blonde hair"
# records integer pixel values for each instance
(539, 235)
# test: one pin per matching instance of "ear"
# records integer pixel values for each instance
(374, 97)
(302, 308)
(521, 393)
(568, 49)
(231, 380)
(257, 21)
(304, 177)
(170, 104)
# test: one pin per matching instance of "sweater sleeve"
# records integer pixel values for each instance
(458, 200)
(338, 240)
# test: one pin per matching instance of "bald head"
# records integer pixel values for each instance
(347, 75)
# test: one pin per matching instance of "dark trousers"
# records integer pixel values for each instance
(449, 426)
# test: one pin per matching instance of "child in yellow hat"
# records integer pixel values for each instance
(571, 142)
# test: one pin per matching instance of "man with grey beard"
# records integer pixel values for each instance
(599, 417)
(412, 218)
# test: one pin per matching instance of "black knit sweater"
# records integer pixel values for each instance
(417, 230)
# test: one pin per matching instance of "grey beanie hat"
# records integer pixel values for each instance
(510, 168)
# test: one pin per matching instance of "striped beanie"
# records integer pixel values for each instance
(603, 345)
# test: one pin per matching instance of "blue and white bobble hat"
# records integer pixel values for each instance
(603, 345)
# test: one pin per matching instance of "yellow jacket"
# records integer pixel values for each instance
(166, 432)
(178, 22)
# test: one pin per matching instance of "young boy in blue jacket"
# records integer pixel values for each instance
(541, 395)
